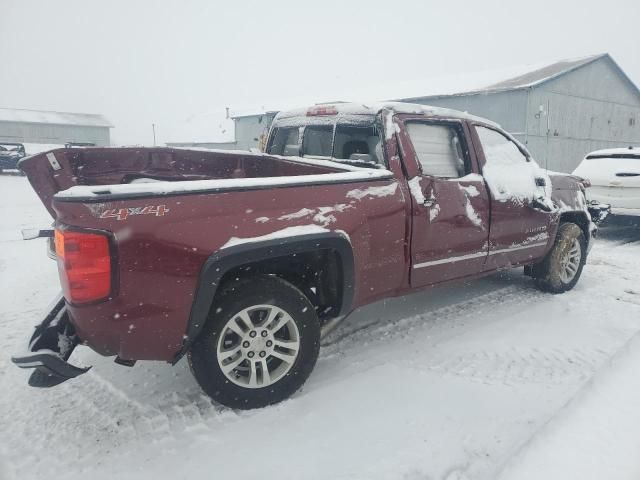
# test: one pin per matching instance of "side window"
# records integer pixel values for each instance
(438, 148)
(357, 142)
(318, 141)
(285, 141)
(498, 149)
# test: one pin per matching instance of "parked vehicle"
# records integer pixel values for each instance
(242, 261)
(10, 154)
(615, 178)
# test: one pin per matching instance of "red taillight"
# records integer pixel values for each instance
(84, 265)
(322, 110)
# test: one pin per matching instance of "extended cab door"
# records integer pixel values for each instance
(519, 226)
(450, 204)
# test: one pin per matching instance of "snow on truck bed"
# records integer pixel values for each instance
(347, 173)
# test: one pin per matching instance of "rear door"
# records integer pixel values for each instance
(450, 204)
(519, 231)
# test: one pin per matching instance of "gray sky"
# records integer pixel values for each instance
(139, 62)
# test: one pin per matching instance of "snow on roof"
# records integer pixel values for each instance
(543, 74)
(485, 81)
(397, 107)
(53, 118)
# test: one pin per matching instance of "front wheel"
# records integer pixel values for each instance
(561, 268)
(259, 345)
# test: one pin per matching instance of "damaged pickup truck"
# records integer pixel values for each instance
(242, 261)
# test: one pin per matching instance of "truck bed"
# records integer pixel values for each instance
(100, 174)
(168, 210)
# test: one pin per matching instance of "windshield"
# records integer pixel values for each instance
(354, 143)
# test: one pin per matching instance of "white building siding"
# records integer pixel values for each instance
(53, 134)
(587, 109)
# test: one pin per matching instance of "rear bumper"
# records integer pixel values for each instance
(620, 198)
(49, 349)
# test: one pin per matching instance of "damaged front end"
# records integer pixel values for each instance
(50, 347)
(598, 211)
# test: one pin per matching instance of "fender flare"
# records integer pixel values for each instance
(224, 260)
(580, 218)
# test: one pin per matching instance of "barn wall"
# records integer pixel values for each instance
(53, 134)
(506, 108)
(588, 109)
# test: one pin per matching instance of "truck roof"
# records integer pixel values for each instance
(342, 109)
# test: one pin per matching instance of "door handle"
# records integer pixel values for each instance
(429, 202)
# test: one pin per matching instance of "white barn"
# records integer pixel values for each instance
(53, 128)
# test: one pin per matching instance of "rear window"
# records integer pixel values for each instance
(358, 144)
(317, 141)
(285, 142)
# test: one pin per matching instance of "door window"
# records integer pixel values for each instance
(498, 149)
(438, 149)
(507, 170)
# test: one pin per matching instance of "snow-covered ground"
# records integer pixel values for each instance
(465, 382)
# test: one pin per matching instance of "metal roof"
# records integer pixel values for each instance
(533, 77)
(53, 118)
(543, 74)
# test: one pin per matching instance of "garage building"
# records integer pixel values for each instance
(55, 128)
(561, 111)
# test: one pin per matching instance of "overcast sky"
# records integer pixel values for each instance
(170, 62)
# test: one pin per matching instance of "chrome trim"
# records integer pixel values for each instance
(476, 255)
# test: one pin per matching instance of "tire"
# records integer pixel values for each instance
(561, 268)
(255, 324)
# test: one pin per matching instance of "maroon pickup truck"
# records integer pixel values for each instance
(242, 261)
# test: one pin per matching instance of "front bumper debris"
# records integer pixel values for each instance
(50, 347)
(598, 211)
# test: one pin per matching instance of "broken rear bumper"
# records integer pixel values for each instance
(49, 349)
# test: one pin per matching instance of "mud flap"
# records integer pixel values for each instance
(50, 347)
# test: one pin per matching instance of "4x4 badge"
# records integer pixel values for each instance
(123, 213)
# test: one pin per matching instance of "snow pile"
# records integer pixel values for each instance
(321, 215)
(513, 181)
(472, 215)
(383, 191)
(162, 188)
(416, 190)
(284, 233)
(597, 434)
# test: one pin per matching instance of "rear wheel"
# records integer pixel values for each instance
(562, 267)
(259, 345)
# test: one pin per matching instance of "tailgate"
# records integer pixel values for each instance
(48, 173)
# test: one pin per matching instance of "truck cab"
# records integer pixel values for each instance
(477, 200)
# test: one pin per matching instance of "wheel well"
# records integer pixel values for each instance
(580, 219)
(318, 274)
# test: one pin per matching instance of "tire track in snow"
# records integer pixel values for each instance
(522, 365)
(509, 366)
(446, 321)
